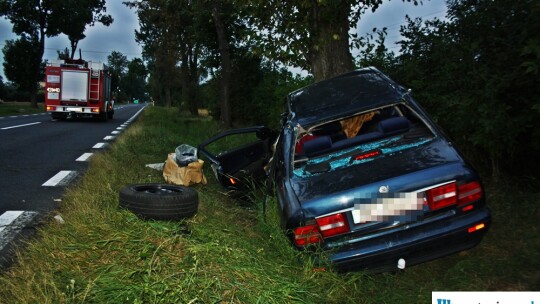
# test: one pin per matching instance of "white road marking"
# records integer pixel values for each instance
(109, 137)
(84, 157)
(115, 132)
(11, 223)
(60, 179)
(18, 126)
(99, 146)
(136, 114)
(120, 128)
(8, 217)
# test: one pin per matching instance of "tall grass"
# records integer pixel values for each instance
(19, 108)
(227, 253)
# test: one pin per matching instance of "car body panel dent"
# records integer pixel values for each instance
(346, 94)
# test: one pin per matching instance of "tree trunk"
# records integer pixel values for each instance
(33, 90)
(74, 43)
(225, 65)
(329, 54)
(184, 80)
(33, 100)
(194, 77)
(189, 80)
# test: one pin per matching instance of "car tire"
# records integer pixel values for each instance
(159, 201)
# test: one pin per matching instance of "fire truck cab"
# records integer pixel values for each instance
(78, 88)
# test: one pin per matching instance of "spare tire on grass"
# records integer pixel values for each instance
(160, 201)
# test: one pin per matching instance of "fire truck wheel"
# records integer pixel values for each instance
(60, 116)
(159, 201)
(103, 116)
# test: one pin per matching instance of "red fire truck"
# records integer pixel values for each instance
(78, 88)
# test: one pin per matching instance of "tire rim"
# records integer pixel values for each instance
(159, 190)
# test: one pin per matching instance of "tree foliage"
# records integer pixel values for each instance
(263, 100)
(118, 65)
(20, 63)
(166, 37)
(2, 88)
(312, 35)
(31, 19)
(134, 82)
(477, 73)
(71, 17)
(181, 40)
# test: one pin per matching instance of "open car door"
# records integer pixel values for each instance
(239, 155)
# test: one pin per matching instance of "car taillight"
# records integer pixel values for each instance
(333, 224)
(469, 193)
(323, 227)
(306, 235)
(442, 196)
(451, 194)
(50, 108)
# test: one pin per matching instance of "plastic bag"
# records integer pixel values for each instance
(185, 154)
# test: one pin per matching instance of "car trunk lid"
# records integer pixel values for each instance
(401, 169)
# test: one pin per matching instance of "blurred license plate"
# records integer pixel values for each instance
(387, 208)
(74, 109)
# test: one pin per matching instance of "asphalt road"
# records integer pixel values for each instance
(39, 156)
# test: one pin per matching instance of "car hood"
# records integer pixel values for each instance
(342, 96)
(403, 171)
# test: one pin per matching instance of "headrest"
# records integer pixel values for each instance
(317, 145)
(394, 125)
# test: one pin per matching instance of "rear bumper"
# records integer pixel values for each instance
(414, 245)
(75, 109)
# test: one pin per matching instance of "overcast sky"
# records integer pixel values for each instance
(100, 41)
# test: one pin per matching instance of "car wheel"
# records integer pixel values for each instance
(159, 201)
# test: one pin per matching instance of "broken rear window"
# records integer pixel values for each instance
(362, 138)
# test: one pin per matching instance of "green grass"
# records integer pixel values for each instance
(106, 255)
(19, 108)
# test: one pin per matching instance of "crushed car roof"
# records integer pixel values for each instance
(343, 95)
